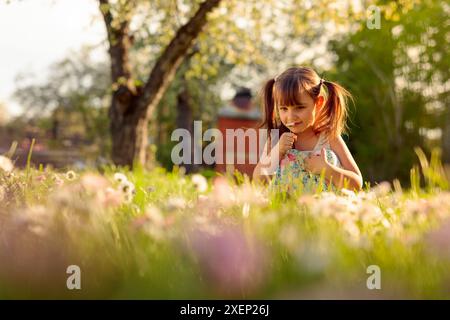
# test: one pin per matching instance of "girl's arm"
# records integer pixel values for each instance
(349, 170)
(267, 164)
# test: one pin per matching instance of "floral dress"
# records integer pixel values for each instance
(291, 173)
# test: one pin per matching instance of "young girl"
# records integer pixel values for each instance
(310, 114)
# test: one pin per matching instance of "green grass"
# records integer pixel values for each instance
(170, 239)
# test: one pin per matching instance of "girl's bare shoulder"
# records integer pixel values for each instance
(338, 145)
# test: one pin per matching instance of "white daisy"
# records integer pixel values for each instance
(120, 177)
(127, 187)
(71, 175)
(200, 182)
(6, 164)
(246, 210)
(175, 203)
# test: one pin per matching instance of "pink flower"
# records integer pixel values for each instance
(291, 157)
(41, 178)
(233, 264)
(438, 240)
(93, 183)
(288, 158)
(223, 192)
(111, 197)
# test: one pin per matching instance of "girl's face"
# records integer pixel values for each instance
(300, 117)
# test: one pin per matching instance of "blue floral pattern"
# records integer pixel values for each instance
(291, 171)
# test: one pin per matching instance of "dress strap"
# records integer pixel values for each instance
(322, 142)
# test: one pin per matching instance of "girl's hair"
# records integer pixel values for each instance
(285, 89)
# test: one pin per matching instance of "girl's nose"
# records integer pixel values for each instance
(292, 113)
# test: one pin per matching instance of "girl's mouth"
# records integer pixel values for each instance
(293, 124)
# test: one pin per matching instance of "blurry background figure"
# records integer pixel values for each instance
(240, 113)
(241, 107)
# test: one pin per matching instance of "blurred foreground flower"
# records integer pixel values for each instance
(33, 252)
(235, 264)
(71, 175)
(57, 180)
(128, 190)
(200, 182)
(153, 223)
(176, 203)
(226, 194)
(6, 164)
(120, 177)
(382, 189)
(438, 241)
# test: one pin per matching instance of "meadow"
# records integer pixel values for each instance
(167, 235)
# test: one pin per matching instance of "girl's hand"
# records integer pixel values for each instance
(315, 163)
(286, 142)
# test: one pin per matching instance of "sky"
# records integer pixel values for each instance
(36, 33)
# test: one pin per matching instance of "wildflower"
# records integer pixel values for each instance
(2, 193)
(57, 180)
(92, 182)
(352, 230)
(348, 193)
(38, 219)
(120, 177)
(128, 190)
(313, 256)
(250, 194)
(367, 196)
(232, 264)
(111, 197)
(382, 189)
(438, 240)
(175, 203)
(151, 222)
(385, 222)
(200, 182)
(206, 206)
(289, 236)
(63, 197)
(306, 200)
(6, 164)
(246, 210)
(223, 192)
(71, 175)
(154, 215)
(41, 178)
(31, 248)
(127, 187)
(370, 214)
(201, 220)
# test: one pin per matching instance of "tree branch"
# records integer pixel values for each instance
(167, 64)
(119, 46)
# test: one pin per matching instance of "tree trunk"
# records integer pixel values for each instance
(129, 140)
(131, 108)
(185, 119)
(446, 140)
